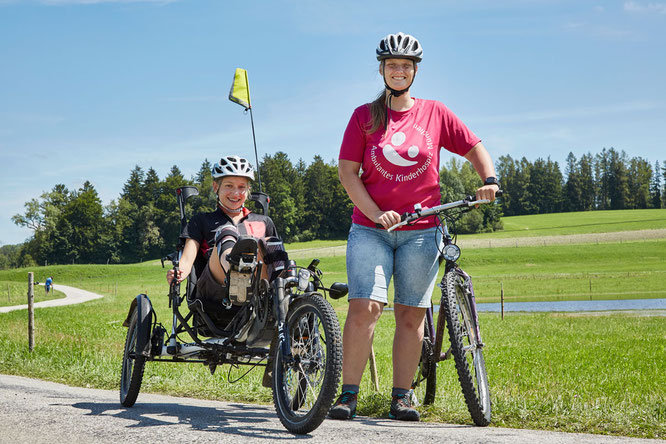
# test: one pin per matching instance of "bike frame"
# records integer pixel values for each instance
(436, 333)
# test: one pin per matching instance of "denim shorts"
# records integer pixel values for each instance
(410, 257)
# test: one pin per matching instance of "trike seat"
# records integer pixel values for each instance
(214, 313)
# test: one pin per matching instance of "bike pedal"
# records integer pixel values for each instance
(238, 286)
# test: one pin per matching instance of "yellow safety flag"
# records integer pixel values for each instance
(240, 89)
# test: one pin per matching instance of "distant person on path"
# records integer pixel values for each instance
(48, 284)
(395, 141)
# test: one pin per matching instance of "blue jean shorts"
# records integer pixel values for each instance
(410, 257)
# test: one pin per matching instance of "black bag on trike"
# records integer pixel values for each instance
(281, 322)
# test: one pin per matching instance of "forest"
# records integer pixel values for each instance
(307, 202)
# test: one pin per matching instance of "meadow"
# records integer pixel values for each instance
(608, 221)
(16, 293)
(589, 372)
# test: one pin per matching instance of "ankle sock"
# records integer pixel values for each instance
(350, 388)
(399, 391)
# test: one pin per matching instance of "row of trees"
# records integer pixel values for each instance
(308, 202)
(609, 180)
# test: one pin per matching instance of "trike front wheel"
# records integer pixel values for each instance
(304, 387)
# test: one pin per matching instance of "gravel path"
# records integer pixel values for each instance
(34, 411)
(72, 296)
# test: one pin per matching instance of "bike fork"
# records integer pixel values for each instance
(281, 304)
(469, 295)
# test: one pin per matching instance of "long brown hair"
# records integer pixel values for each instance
(378, 106)
(377, 113)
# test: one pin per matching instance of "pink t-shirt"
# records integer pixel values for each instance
(401, 166)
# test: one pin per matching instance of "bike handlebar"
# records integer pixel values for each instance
(418, 213)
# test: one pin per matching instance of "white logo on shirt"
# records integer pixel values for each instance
(392, 155)
(410, 169)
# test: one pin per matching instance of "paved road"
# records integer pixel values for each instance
(72, 296)
(33, 411)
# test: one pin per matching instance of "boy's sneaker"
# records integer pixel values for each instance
(401, 409)
(345, 406)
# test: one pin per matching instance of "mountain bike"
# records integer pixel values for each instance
(458, 311)
(283, 323)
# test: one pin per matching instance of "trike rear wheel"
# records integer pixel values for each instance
(304, 388)
(133, 365)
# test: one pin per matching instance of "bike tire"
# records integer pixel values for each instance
(133, 365)
(304, 390)
(425, 382)
(467, 353)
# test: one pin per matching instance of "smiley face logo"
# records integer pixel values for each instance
(392, 155)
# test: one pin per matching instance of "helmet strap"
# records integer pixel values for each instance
(227, 209)
(230, 210)
(393, 93)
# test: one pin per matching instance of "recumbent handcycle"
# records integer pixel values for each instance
(284, 324)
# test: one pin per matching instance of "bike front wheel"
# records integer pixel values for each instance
(305, 386)
(466, 346)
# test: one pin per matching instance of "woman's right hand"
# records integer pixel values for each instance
(386, 218)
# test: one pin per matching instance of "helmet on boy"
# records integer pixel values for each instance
(399, 46)
(232, 166)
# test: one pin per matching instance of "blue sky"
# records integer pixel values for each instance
(91, 88)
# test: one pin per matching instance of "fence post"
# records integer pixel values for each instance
(31, 311)
(502, 298)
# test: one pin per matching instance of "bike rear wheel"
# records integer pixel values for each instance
(133, 365)
(466, 347)
(304, 389)
(425, 382)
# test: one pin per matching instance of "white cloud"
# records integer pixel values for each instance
(659, 8)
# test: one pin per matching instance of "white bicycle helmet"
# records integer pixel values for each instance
(232, 166)
(399, 46)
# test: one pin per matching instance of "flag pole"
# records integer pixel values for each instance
(256, 156)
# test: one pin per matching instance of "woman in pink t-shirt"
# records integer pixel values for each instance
(395, 141)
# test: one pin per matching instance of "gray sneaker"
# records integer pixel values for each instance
(402, 410)
(345, 406)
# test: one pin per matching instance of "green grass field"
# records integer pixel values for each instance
(634, 270)
(315, 244)
(578, 223)
(580, 373)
